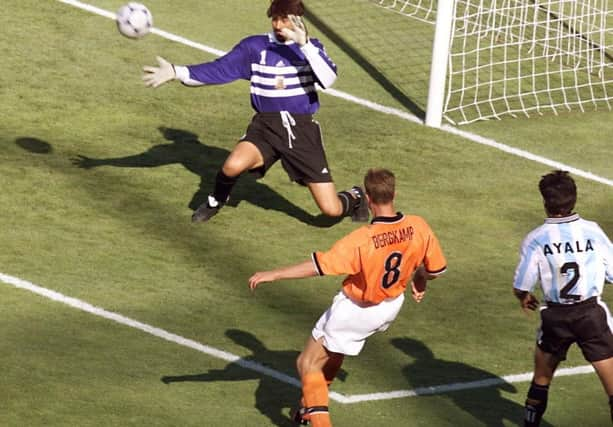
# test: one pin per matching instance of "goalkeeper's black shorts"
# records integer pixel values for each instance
(296, 140)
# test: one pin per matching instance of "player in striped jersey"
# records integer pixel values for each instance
(380, 259)
(283, 67)
(571, 258)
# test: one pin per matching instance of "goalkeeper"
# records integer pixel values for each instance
(282, 67)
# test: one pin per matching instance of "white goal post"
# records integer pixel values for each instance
(492, 58)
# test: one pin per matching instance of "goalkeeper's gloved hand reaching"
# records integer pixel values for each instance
(157, 76)
(298, 33)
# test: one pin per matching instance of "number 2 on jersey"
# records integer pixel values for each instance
(565, 291)
(392, 270)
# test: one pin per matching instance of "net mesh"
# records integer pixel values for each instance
(522, 57)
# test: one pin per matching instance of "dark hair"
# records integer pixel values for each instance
(380, 185)
(559, 192)
(285, 7)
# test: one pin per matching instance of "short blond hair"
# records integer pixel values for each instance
(380, 185)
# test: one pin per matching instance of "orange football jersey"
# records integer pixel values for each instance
(380, 258)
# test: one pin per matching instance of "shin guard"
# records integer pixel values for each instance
(536, 404)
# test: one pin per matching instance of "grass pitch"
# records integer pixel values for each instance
(100, 175)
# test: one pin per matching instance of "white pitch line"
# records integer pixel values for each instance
(375, 106)
(526, 155)
(254, 366)
(446, 388)
(160, 333)
(90, 8)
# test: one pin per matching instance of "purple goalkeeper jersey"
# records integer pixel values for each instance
(282, 75)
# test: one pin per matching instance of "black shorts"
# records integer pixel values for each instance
(585, 323)
(303, 158)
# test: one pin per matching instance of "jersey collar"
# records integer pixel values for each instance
(387, 219)
(563, 220)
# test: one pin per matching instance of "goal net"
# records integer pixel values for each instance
(424, 10)
(518, 57)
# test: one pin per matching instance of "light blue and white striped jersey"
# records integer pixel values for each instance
(570, 257)
(282, 75)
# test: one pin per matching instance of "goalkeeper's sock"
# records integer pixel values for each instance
(354, 204)
(315, 392)
(223, 186)
(611, 405)
(536, 404)
(348, 202)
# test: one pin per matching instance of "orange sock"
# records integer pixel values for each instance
(315, 392)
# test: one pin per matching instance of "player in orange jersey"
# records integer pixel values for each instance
(380, 259)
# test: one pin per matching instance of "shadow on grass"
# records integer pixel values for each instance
(473, 390)
(365, 64)
(34, 145)
(273, 397)
(204, 161)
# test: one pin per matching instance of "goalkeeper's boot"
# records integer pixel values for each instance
(298, 416)
(360, 210)
(207, 210)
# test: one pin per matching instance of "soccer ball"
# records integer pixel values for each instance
(134, 20)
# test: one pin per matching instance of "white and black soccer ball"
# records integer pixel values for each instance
(134, 20)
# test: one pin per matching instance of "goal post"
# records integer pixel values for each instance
(438, 67)
(497, 58)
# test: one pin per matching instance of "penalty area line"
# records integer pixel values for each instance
(247, 364)
(446, 388)
(375, 106)
(160, 333)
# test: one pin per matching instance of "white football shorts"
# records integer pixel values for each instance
(346, 325)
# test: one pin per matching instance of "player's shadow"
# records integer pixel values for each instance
(204, 161)
(273, 397)
(473, 390)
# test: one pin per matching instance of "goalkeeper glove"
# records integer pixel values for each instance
(298, 32)
(157, 76)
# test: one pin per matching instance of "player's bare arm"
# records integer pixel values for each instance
(527, 300)
(420, 282)
(296, 271)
